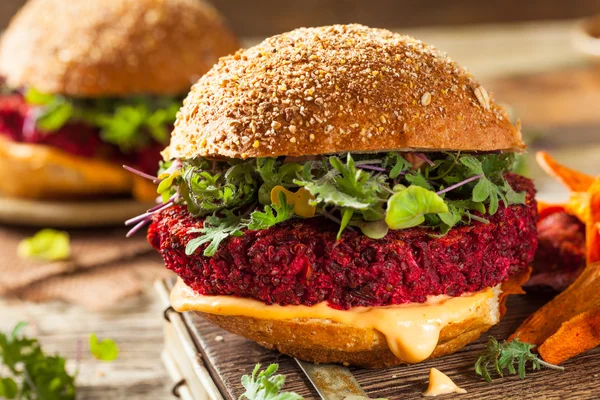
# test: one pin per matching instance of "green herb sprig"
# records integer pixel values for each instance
(512, 356)
(265, 385)
(31, 374)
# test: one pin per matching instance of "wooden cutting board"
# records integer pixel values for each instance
(228, 357)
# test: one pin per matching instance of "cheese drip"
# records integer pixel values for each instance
(412, 330)
(440, 383)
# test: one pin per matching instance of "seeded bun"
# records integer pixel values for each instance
(318, 340)
(92, 48)
(335, 89)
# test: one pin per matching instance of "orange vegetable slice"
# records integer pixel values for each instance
(301, 200)
(574, 180)
(570, 323)
(592, 233)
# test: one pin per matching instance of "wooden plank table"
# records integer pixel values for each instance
(490, 52)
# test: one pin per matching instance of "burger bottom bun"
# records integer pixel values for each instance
(325, 341)
(32, 171)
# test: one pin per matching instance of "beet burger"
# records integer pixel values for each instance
(344, 194)
(92, 85)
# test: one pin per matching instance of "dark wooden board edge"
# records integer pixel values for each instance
(232, 356)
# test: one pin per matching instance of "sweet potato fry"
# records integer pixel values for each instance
(570, 323)
(592, 232)
(575, 336)
(574, 180)
(570, 319)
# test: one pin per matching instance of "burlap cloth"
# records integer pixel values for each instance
(104, 268)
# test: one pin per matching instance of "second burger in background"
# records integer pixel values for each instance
(92, 85)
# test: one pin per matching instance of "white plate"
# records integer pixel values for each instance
(67, 214)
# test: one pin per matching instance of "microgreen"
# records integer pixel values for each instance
(28, 373)
(105, 350)
(271, 215)
(46, 245)
(265, 385)
(360, 190)
(510, 356)
(215, 230)
(130, 123)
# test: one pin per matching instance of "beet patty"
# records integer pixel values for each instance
(301, 262)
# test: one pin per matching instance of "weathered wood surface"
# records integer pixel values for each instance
(234, 356)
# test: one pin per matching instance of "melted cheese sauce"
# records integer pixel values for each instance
(412, 331)
(440, 384)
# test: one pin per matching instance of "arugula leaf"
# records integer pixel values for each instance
(407, 208)
(347, 187)
(265, 385)
(46, 245)
(215, 230)
(106, 350)
(272, 215)
(29, 373)
(505, 356)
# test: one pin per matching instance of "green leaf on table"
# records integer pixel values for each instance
(46, 245)
(105, 350)
(265, 385)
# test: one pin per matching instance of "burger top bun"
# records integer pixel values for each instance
(92, 48)
(335, 89)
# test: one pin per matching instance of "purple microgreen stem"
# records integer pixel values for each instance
(140, 173)
(136, 228)
(459, 184)
(424, 158)
(371, 167)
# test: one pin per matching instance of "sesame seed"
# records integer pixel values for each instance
(292, 129)
(482, 97)
(426, 99)
(293, 139)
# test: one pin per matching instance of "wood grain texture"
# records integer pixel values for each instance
(234, 356)
(135, 325)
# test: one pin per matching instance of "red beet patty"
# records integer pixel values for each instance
(300, 262)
